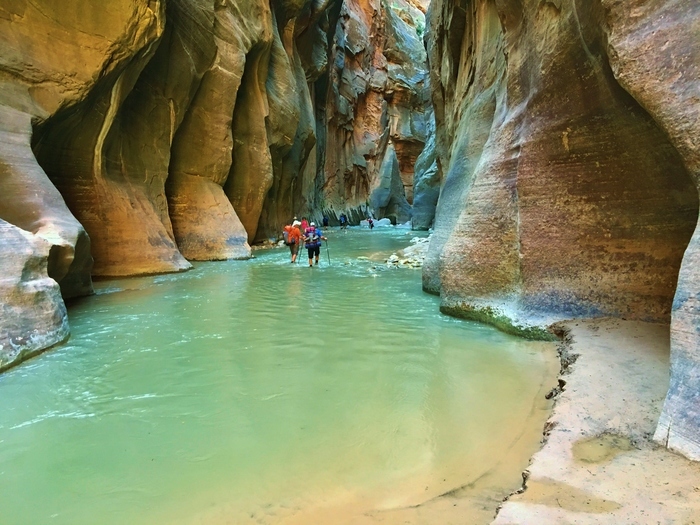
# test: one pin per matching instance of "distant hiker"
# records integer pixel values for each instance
(313, 237)
(304, 224)
(370, 222)
(325, 221)
(343, 221)
(292, 238)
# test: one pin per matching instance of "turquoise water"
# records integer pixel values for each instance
(257, 391)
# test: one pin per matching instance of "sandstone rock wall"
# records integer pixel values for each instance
(375, 108)
(568, 138)
(655, 54)
(52, 56)
(426, 180)
(152, 194)
(33, 316)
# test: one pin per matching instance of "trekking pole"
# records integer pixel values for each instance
(328, 253)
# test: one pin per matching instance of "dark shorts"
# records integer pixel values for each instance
(314, 250)
(293, 248)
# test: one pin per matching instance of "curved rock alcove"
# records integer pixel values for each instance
(567, 133)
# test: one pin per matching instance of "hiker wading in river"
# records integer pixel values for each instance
(313, 237)
(292, 238)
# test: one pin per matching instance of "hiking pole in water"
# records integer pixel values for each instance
(328, 253)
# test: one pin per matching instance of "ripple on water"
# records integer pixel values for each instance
(266, 389)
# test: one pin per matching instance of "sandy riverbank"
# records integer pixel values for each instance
(599, 465)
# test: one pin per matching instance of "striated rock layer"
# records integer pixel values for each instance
(374, 107)
(51, 57)
(567, 133)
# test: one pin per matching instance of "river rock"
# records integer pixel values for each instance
(412, 256)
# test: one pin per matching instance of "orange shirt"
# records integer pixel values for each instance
(293, 234)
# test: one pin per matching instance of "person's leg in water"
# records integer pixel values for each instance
(317, 252)
(311, 257)
(295, 251)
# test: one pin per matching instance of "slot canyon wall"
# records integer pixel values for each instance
(140, 136)
(568, 132)
(376, 109)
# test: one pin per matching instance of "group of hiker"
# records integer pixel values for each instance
(311, 236)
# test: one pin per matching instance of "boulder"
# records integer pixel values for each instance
(32, 314)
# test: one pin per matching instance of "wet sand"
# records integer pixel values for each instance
(472, 501)
(599, 464)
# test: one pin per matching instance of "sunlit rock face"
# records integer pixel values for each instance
(567, 133)
(52, 55)
(142, 162)
(376, 97)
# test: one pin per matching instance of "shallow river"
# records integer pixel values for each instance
(265, 392)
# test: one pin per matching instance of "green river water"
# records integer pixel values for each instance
(264, 392)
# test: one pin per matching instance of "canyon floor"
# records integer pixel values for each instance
(599, 464)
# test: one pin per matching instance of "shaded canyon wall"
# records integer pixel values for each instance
(568, 135)
(375, 110)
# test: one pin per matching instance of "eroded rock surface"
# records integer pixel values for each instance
(549, 162)
(51, 57)
(567, 134)
(32, 314)
(376, 105)
(655, 54)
